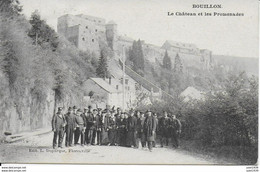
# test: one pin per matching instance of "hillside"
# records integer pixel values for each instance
(34, 78)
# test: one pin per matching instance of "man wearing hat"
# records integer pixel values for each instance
(149, 129)
(98, 125)
(156, 129)
(164, 125)
(74, 110)
(84, 116)
(88, 121)
(92, 125)
(131, 130)
(58, 125)
(176, 131)
(80, 129)
(70, 127)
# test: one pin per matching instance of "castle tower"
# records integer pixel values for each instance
(84, 31)
(111, 34)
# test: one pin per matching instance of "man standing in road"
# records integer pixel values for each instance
(149, 129)
(80, 128)
(131, 130)
(84, 117)
(98, 126)
(176, 131)
(70, 127)
(91, 126)
(89, 122)
(121, 130)
(58, 125)
(164, 125)
(156, 129)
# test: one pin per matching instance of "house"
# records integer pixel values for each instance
(109, 91)
(101, 92)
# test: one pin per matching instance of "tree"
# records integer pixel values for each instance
(41, 33)
(12, 7)
(140, 56)
(167, 63)
(137, 57)
(178, 64)
(102, 68)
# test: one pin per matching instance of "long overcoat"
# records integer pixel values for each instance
(149, 128)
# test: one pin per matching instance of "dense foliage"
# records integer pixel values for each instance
(41, 33)
(225, 124)
(30, 71)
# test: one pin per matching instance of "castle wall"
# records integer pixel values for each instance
(72, 34)
(87, 30)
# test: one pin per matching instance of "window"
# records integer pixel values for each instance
(96, 30)
(93, 40)
(117, 87)
(86, 27)
(83, 39)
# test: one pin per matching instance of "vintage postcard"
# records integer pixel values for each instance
(129, 82)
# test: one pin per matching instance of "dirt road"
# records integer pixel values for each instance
(38, 150)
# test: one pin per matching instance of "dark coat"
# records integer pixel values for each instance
(84, 116)
(175, 125)
(121, 123)
(149, 128)
(112, 123)
(104, 130)
(58, 122)
(79, 122)
(164, 126)
(92, 122)
(97, 124)
(140, 129)
(131, 124)
(70, 120)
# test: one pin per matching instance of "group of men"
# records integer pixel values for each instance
(114, 127)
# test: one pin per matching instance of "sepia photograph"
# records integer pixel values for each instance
(129, 82)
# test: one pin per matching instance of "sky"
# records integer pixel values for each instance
(148, 20)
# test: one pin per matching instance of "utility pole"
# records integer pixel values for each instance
(123, 59)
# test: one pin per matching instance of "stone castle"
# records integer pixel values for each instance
(89, 32)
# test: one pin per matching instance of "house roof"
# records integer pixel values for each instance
(104, 85)
(192, 93)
